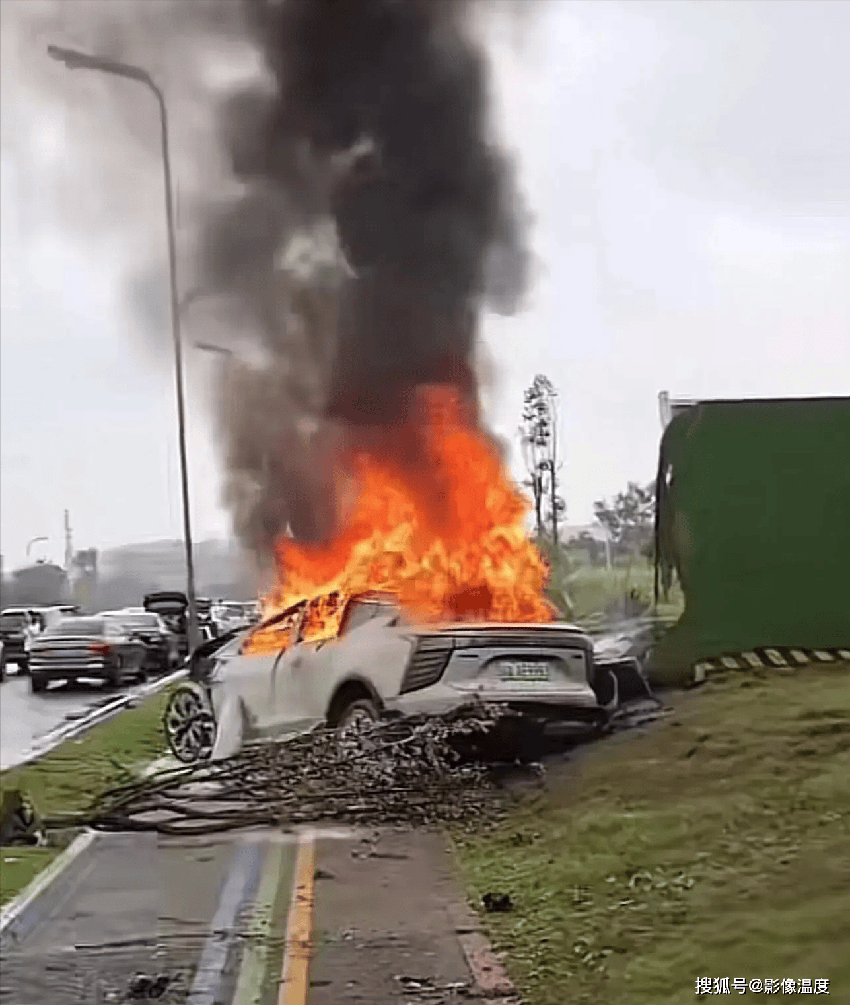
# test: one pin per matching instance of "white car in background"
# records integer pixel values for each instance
(230, 614)
(379, 664)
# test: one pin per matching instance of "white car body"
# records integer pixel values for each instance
(379, 658)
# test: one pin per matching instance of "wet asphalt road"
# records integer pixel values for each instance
(26, 718)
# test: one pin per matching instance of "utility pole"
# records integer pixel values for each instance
(69, 547)
(553, 460)
(83, 61)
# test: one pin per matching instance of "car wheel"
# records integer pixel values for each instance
(24, 665)
(190, 727)
(37, 683)
(359, 713)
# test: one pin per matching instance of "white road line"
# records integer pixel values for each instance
(241, 878)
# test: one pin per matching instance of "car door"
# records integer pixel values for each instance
(301, 690)
(254, 676)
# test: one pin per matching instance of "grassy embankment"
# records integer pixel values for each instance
(593, 590)
(597, 589)
(66, 779)
(714, 844)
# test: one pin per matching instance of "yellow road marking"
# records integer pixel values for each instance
(299, 927)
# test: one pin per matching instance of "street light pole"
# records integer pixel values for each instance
(81, 61)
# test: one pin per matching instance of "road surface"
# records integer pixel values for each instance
(26, 718)
(333, 917)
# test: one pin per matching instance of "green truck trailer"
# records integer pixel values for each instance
(753, 517)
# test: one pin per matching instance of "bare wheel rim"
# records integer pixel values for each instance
(189, 727)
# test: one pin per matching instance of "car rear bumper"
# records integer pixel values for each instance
(56, 670)
(572, 704)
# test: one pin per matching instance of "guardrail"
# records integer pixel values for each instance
(71, 730)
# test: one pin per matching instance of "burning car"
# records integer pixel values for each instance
(367, 659)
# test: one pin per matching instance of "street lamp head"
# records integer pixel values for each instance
(74, 60)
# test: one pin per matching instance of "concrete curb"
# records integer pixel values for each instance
(43, 880)
(46, 877)
(488, 974)
(781, 657)
(490, 978)
(94, 718)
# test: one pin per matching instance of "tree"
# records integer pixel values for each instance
(539, 438)
(595, 549)
(629, 519)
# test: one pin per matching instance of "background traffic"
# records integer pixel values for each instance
(57, 643)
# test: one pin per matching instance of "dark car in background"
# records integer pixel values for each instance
(87, 648)
(18, 628)
(173, 606)
(162, 650)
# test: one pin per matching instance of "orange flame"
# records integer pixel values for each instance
(467, 555)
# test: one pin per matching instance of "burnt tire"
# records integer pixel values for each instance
(358, 713)
(189, 725)
(606, 688)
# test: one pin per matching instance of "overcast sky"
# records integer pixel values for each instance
(689, 168)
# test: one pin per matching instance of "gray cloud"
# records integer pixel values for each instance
(743, 101)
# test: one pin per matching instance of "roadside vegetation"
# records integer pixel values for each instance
(583, 590)
(714, 844)
(67, 779)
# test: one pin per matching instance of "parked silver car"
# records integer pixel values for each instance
(378, 663)
(91, 648)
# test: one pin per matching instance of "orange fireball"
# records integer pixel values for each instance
(461, 551)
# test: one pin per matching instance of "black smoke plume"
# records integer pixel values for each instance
(377, 118)
(362, 219)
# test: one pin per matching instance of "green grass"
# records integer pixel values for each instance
(20, 866)
(714, 844)
(67, 779)
(593, 590)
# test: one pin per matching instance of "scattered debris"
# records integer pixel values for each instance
(426, 989)
(497, 903)
(406, 771)
(378, 854)
(148, 987)
(323, 874)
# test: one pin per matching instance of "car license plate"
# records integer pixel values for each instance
(524, 670)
